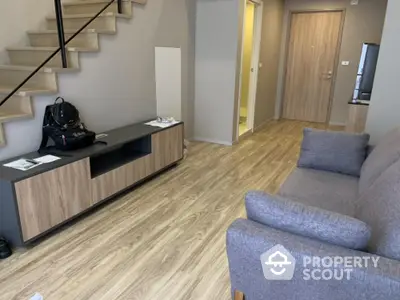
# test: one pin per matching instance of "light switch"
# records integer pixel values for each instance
(354, 2)
(260, 65)
(345, 63)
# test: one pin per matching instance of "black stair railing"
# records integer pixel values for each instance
(60, 31)
(62, 42)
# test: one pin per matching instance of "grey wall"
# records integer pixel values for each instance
(217, 41)
(384, 112)
(218, 60)
(117, 85)
(363, 23)
(269, 57)
(17, 16)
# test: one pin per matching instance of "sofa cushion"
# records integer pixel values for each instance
(379, 206)
(383, 155)
(327, 190)
(333, 151)
(294, 217)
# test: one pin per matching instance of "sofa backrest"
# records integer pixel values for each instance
(386, 153)
(379, 207)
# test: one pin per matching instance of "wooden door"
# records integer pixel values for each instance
(51, 198)
(311, 63)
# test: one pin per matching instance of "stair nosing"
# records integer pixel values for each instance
(91, 2)
(69, 49)
(5, 90)
(32, 68)
(69, 31)
(81, 16)
(14, 116)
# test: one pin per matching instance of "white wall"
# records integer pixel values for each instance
(117, 85)
(217, 39)
(384, 112)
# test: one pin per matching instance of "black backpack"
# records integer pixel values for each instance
(62, 124)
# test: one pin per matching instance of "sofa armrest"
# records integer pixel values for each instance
(247, 240)
(298, 218)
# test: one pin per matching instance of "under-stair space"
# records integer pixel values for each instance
(43, 43)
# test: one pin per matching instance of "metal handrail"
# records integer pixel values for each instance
(60, 31)
(62, 42)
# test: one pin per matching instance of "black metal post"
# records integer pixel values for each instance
(119, 6)
(60, 31)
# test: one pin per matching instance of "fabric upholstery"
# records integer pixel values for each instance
(379, 206)
(327, 190)
(304, 218)
(247, 240)
(333, 151)
(313, 222)
(383, 155)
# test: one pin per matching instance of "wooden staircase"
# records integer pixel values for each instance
(24, 60)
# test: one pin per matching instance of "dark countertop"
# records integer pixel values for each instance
(115, 138)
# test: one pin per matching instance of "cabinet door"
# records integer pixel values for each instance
(167, 147)
(119, 179)
(51, 198)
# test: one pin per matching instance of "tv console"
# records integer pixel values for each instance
(39, 200)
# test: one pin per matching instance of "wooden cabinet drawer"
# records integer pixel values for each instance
(51, 198)
(167, 147)
(118, 179)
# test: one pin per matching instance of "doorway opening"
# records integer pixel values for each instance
(252, 23)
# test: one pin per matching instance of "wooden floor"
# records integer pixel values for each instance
(164, 240)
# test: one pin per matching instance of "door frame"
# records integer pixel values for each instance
(255, 60)
(336, 61)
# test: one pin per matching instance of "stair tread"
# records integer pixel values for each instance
(5, 90)
(31, 69)
(8, 116)
(101, 1)
(69, 31)
(89, 2)
(31, 48)
(78, 16)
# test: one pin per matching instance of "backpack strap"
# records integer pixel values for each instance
(46, 122)
(45, 140)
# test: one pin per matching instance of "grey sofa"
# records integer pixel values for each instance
(325, 214)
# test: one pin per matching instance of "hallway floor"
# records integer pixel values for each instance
(242, 128)
(164, 240)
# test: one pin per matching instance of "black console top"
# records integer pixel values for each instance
(114, 139)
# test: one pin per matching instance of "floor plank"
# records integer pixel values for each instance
(165, 239)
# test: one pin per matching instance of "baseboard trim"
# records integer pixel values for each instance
(262, 125)
(212, 141)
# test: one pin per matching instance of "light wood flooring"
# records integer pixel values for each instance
(164, 240)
